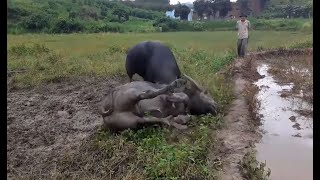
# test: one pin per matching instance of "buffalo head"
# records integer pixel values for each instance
(200, 101)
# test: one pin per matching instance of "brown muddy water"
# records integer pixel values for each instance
(287, 142)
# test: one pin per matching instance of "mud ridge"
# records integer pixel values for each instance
(238, 136)
(240, 131)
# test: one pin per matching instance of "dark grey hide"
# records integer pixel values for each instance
(153, 61)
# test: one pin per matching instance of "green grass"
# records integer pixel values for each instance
(215, 42)
(154, 153)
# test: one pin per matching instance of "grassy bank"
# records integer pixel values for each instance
(151, 153)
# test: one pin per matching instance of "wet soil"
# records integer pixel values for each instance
(237, 137)
(282, 132)
(45, 123)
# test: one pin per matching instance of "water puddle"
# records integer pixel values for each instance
(287, 142)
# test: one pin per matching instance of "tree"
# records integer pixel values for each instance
(154, 1)
(182, 11)
(223, 6)
(200, 6)
(36, 22)
(121, 13)
(211, 7)
(244, 5)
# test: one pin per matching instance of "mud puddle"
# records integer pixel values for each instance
(287, 142)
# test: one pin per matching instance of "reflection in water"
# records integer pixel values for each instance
(287, 142)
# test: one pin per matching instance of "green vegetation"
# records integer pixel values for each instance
(211, 7)
(252, 169)
(64, 56)
(72, 16)
(288, 8)
(66, 16)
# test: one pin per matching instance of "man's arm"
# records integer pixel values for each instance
(237, 27)
(249, 25)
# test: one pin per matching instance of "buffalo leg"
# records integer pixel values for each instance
(169, 88)
(154, 120)
(177, 99)
(164, 121)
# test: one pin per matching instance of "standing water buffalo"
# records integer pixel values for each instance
(153, 61)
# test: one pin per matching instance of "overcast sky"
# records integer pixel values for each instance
(184, 1)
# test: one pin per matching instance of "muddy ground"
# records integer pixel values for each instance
(45, 123)
(241, 132)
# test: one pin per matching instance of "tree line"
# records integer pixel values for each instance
(65, 16)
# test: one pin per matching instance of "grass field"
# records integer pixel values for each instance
(104, 54)
(154, 152)
(217, 42)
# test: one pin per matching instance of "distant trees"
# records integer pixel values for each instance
(223, 6)
(154, 1)
(182, 11)
(289, 8)
(121, 13)
(67, 16)
(244, 5)
(211, 7)
(200, 6)
(155, 5)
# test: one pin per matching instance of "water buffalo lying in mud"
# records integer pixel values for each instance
(126, 105)
(153, 61)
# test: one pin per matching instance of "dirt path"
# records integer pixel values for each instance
(240, 132)
(47, 122)
(238, 135)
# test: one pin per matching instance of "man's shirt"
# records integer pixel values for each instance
(243, 29)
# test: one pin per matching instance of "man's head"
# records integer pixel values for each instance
(243, 17)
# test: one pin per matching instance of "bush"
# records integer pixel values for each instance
(65, 25)
(164, 27)
(36, 22)
(167, 23)
(307, 26)
(198, 26)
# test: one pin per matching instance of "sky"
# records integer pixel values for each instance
(184, 1)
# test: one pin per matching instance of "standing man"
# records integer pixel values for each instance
(243, 26)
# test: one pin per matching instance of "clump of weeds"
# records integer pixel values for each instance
(23, 50)
(253, 103)
(251, 169)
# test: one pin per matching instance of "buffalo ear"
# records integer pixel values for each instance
(206, 91)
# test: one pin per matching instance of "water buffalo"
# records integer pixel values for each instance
(153, 61)
(125, 106)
